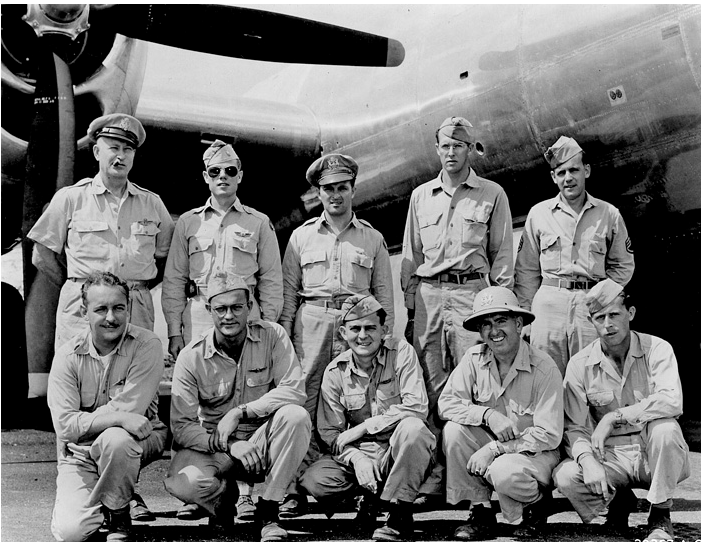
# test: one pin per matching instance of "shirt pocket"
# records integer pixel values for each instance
(597, 258)
(200, 257)
(259, 381)
(600, 403)
(244, 253)
(430, 232)
(116, 389)
(521, 411)
(212, 396)
(356, 273)
(89, 238)
(388, 394)
(550, 253)
(143, 241)
(354, 402)
(474, 227)
(314, 268)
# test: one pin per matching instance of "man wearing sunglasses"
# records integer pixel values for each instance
(236, 412)
(221, 235)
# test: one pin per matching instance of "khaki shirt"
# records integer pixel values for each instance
(531, 396)
(241, 241)
(207, 383)
(469, 231)
(320, 264)
(81, 388)
(100, 232)
(349, 396)
(557, 243)
(649, 389)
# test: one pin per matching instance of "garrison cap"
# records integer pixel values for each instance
(220, 152)
(119, 126)
(359, 306)
(561, 151)
(603, 294)
(495, 300)
(330, 169)
(221, 282)
(457, 128)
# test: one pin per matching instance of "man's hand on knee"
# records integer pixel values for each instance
(137, 425)
(367, 473)
(594, 475)
(247, 453)
(502, 426)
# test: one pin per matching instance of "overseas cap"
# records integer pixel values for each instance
(359, 306)
(495, 300)
(220, 152)
(602, 295)
(119, 126)
(332, 169)
(561, 151)
(221, 282)
(457, 128)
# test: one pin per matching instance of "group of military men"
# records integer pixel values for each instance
(286, 372)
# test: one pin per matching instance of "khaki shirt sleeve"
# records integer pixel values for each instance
(166, 230)
(579, 424)
(500, 243)
(269, 278)
(455, 402)
(382, 286)
(414, 399)
(176, 274)
(288, 377)
(292, 279)
(528, 275)
(412, 255)
(185, 425)
(64, 398)
(51, 230)
(620, 263)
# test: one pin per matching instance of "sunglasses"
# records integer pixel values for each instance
(214, 171)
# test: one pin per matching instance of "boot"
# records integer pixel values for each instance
(399, 524)
(481, 524)
(623, 504)
(139, 511)
(268, 514)
(659, 525)
(119, 524)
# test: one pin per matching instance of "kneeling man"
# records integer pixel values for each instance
(622, 396)
(371, 416)
(236, 411)
(504, 407)
(103, 398)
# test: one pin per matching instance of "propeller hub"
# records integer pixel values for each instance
(65, 19)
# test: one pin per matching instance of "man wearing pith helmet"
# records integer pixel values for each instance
(236, 412)
(570, 242)
(371, 417)
(328, 259)
(222, 235)
(504, 408)
(622, 399)
(458, 240)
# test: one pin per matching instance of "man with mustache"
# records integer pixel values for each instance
(221, 235)
(570, 243)
(327, 259)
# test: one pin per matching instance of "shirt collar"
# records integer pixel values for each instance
(254, 332)
(98, 186)
(351, 366)
(323, 221)
(521, 362)
(84, 343)
(236, 205)
(557, 201)
(597, 356)
(471, 181)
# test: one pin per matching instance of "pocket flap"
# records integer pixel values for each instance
(429, 219)
(196, 245)
(89, 226)
(597, 246)
(548, 240)
(141, 229)
(476, 215)
(361, 260)
(311, 257)
(244, 244)
(600, 398)
(353, 402)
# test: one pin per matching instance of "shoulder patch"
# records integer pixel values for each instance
(520, 244)
(629, 245)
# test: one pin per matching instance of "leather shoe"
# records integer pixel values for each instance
(191, 511)
(623, 504)
(119, 524)
(659, 525)
(139, 511)
(480, 525)
(294, 505)
(535, 517)
(246, 510)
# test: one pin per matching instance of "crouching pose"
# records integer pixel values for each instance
(236, 412)
(504, 407)
(371, 415)
(622, 396)
(103, 398)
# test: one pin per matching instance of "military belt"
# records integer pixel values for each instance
(457, 278)
(330, 303)
(569, 283)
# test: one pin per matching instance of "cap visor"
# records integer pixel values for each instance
(335, 178)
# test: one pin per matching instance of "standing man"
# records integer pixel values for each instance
(106, 223)
(622, 398)
(236, 411)
(103, 397)
(371, 416)
(222, 235)
(328, 259)
(458, 240)
(570, 243)
(504, 407)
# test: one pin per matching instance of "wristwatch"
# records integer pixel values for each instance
(494, 448)
(619, 417)
(243, 407)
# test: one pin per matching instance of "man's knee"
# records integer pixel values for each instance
(325, 478)
(412, 429)
(566, 475)
(190, 484)
(294, 415)
(68, 527)
(664, 432)
(118, 441)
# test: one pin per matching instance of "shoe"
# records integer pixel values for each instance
(268, 515)
(399, 524)
(480, 525)
(659, 525)
(294, 505)
(535, 517)
(139, 512)
(623, 504)
(119, 524)
(246, 510)
(191, 511)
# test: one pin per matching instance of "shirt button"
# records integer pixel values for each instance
(574, 262)
(452, 224)
(122, 265)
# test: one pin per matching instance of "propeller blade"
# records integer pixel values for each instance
(50, 161)
(250, 34)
